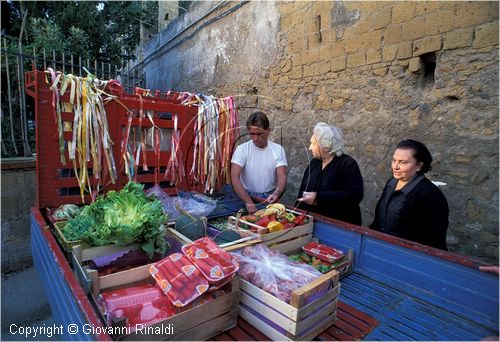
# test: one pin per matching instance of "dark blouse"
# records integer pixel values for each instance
(339, 188)
(417, 212)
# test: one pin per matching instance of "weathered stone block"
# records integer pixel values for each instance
(286, 8)
(392, 34)
(472, 13)
(373, 39)
(310, 56)
(323, 67)
(285, 65)
(415, 64)
(338, 63)
(297, 46)
(296, 72)
(353, 45)
(380, 71)
(457, 39)
(463, 159)
(373, 56)
(286, 23)
(309, 70)
(325, 52)
(371, 106)
(427, 7)
(427, 44)
(356, 60)
(381, 18)
(338, 49)
(413, 29)
(404, 50)
(493, 9)
(296, 59)
(363, 25)
(337, 103)
(403, 11)
(486, 35)
(389, 53)
(440, 22)
(475, 212)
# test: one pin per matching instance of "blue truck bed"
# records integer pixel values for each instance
(412, 291)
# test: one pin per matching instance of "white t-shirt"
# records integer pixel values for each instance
(259, 165)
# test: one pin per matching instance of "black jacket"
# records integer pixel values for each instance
(423, 217)
(339, 189)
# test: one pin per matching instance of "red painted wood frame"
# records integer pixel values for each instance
(57, 184)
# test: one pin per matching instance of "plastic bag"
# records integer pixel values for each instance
(272, 271)
(195, 204)
(66, 212)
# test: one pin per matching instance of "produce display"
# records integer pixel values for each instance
(179, 279)
(272, 271)
(273, 218)
(121, 218)
(323, 252)
(322, 257)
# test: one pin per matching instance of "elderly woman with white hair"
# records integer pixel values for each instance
(332, 185)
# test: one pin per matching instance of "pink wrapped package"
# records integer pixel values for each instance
(214, 263)
(179, 279)
(323, 252)
(143, 304)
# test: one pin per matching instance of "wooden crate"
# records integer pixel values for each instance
(198, 323)
(295, 246)
(302, 319)
(90, 279)
(228, 247)
(301, 232)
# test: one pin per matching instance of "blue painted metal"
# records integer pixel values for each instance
(65, 305)
(414, 295)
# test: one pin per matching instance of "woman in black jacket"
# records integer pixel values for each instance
(332, 184)
(411, 206)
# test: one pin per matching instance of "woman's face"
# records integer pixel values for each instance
(316, 150)
(404, 165)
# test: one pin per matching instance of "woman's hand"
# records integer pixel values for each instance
(308, 197)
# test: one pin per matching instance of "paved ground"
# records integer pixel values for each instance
(24, 305)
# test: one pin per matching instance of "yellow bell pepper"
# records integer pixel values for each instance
(274, 226)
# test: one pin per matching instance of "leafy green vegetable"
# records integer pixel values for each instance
(121, 218)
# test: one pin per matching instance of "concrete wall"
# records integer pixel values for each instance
(366, 67)
(18, 196)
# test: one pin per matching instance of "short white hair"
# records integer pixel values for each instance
(330, 138)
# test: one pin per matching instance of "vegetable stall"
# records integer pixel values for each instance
(136, 235)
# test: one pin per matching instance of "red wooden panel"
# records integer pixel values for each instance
(51, 182)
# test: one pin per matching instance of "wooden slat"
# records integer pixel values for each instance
(299, 296)
(357, 326)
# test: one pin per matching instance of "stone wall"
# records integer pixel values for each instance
(381, 71)
(18, 196)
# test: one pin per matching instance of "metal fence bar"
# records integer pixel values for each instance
(19, 129)
(11, 116)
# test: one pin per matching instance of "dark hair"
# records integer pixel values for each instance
(258, 119)
(420, 152)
